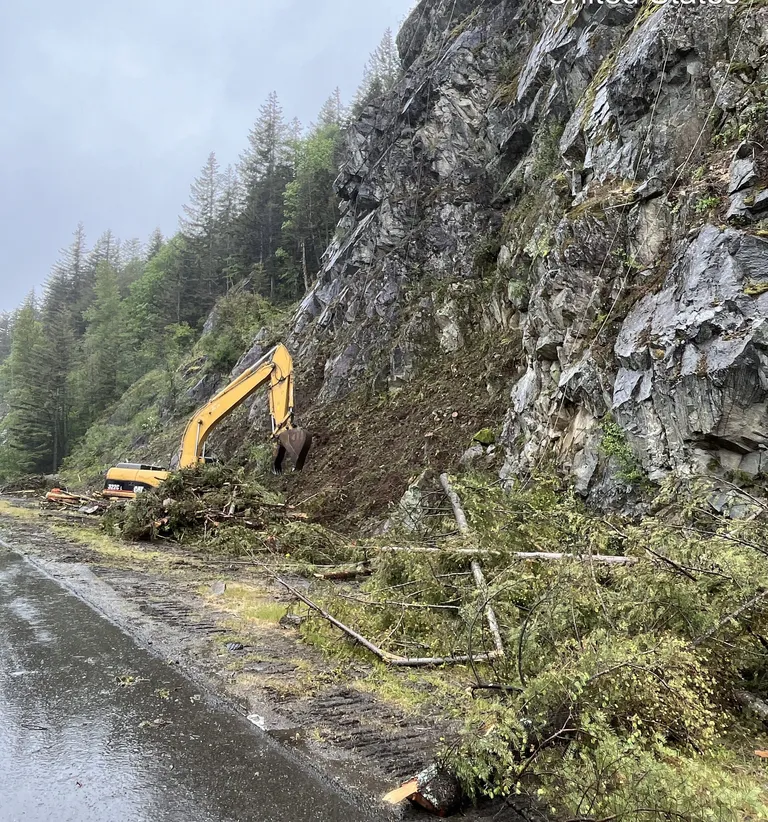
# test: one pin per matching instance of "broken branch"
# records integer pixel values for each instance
(458, 510)
(490, 615)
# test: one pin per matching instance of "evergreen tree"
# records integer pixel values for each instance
(53, 360)
(155, 244)
(311, 206)
(199, 228)
(131, 264)
(101, 374)
(294, 132)
(156, 302)
(230, 206)
(26, 444)
(70, 278)
(333, 112)
(105, 250)
(6, 326)
(381, 73)
(267, 141)
(265, 169)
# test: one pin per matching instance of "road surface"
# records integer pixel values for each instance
(95, 729)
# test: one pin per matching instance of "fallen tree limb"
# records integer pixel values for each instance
(458, 510)
(426, 550)
(362, 569)
(384, 656)
(493, 686)
(535, 556)
(385, 603)
(223, 516)
(490, 615)
(477, 573)
(734, 615)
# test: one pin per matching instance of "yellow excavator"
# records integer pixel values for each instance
(275, 370)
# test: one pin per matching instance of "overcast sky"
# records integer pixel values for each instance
(109, 109)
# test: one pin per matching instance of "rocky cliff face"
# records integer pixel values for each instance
(584, 190)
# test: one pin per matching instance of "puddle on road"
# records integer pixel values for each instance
(92, 727)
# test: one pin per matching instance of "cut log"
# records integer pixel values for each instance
(433, 789)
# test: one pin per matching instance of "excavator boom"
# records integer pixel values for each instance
(275, 369)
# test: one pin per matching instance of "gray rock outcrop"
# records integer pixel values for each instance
(587, 187)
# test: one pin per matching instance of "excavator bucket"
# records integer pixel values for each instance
(295, 442)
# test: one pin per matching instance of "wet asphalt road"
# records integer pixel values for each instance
(92, 727)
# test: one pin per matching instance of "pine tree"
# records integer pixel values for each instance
(265, 169)
(294, 131)
(53, 358)
(26, 445)
(230, 206)
(311, 206)
(100, 377)
(266, 143)
(156, 303)
(154, 244)
(199, 229)
(5, 335)
(333, 112)
(381, 73)
(70, 277)
(105, 250)
(131, 264)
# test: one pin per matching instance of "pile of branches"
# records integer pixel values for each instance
(30, 483)
(216, 507)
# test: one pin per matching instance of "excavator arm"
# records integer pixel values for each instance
(274, 369)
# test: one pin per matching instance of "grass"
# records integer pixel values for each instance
(18, 512)
(415, 693)
(247, 602)
(106, 546)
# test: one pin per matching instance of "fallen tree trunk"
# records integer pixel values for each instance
(752, 703)
(384, 656)
(729, 618)
(533, 556)
(362, 569)
(477, 573)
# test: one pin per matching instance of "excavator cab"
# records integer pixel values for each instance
(295, 442)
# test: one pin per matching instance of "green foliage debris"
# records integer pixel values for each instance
(619, 693)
